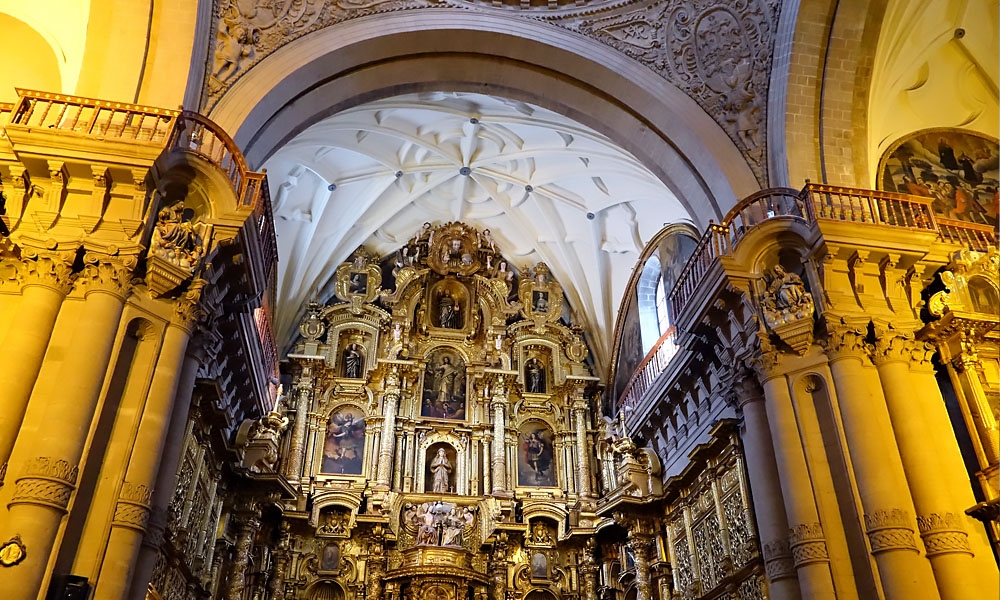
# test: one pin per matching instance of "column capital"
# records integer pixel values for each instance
(778, 562)
(890, 529)
(46, 481)
(187, 308)
(42, 267)
(892, 345)
(846, 339)
(107, 273)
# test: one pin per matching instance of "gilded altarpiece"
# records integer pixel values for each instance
(439, 437)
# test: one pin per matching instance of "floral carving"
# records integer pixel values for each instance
(778, 560)
(807, 544)
(943, 534)
(107, 273)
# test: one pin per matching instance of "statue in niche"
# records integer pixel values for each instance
(449, 311)
(534, 375)
(178, 241)
(353, 362)
(540, 534)
(786, 290)
(441, 468)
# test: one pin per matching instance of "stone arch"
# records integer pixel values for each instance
(370, 58)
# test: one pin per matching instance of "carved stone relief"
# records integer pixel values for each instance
(718, 52)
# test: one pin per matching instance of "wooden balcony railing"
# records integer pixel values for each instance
(655, 361)
(107, 120)
(828, 202)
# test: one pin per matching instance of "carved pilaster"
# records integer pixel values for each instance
(943, 534)
(46, 482)
(890, 530)
(807, 543)
(583, 458)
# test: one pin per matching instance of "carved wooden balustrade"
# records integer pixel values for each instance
(86, 116)
(815, 203)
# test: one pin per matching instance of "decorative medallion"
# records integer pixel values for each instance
(12, 552)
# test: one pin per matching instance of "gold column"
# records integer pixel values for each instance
(297, 447)
(640, 545)
(583, 462)
(881, 483)
(132, 510)
(806, 540)
(241, 560)
(45, 459)
(934, 468)
(499, 462)
(392, 394)
(45, 281)
(768, 504)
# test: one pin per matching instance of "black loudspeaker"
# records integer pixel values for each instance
(68, 587)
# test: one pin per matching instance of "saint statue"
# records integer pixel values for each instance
(448, 311)
(534, 376)
(352, 362)
(786, 289)
(441, 468)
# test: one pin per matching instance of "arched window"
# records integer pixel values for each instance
(662, 316)
(648, 292)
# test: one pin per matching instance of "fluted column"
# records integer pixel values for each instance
(391, 407)
(582, 453)
(881, 483)
(44, 279)
(133, 508)
(806, 540)
(768, 502)
(297, 445)
(934, 468)
(499, 459)
(45, 460)
(241, 559)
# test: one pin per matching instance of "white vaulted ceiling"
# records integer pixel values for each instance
(548, 188)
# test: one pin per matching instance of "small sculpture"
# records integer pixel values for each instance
(534, 376)
(540, 534)
(448, 311)
(441, 468)
(352, 362)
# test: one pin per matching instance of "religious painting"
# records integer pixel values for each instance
(630, 348)
(534, 458)
(358, 284)
(439, 471)
(330, 560)
(539, 566)
(444, 385)
(540, 301)
(958, 169)
(344, 448)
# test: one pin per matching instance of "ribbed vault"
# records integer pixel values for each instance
(548, 188)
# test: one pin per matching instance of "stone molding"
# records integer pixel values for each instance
(46, 482)
(808, 545)
(133, 507)
(890, 530)
(778, 562)
(943, 534)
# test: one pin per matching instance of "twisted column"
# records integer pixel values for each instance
(640, 545)
(241, 559)
(57, 421)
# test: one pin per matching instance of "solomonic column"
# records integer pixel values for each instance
(934, 468)
(45, 461)
(241, 558)
(888, 507)
(589, 569)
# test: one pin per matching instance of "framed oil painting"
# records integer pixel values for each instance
(958, 169)
(534, 458)
(443, 394)
(344, 448)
